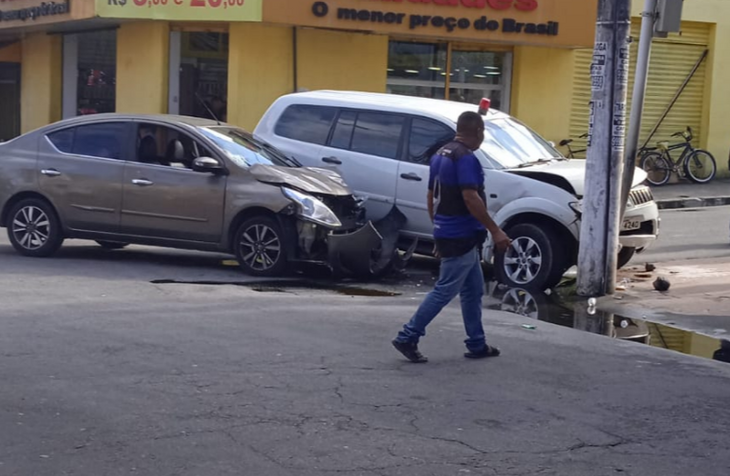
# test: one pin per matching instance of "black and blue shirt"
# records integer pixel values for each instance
(454, 169)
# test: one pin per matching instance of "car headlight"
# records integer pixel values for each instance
(311, 208)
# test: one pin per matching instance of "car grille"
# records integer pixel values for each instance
(641, 195)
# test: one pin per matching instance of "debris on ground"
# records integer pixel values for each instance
(649, 267)
(662, 284)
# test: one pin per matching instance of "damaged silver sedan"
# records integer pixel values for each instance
(187, 183)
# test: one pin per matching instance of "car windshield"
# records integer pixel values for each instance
(512, 144)
(244, 150)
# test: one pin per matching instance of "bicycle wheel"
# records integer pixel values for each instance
(657, 168)
(700, 166)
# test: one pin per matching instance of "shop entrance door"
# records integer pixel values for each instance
(10, 100)
(199, 74)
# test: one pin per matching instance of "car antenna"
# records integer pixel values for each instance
(210, 111)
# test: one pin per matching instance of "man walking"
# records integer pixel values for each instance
(458, 208)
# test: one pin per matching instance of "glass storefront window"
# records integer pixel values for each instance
(97, 72)
(417, 69)
(476, 75)
(204, 74)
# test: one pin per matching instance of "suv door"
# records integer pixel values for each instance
(81, 170)
(425, 138)
(364, 147)
(163, 197)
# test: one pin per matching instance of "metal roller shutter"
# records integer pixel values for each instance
(672, 60)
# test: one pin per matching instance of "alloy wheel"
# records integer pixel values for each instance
(523, 260)
(520, 302)
(260, 247)
(31, 227)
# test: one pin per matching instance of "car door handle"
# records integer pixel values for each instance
(411, 176)
(142, 182)
(50, 172)
(332, 160)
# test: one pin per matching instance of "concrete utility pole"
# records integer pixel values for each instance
(604, 168)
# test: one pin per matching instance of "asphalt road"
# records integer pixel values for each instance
(105, 373)
(691, 234)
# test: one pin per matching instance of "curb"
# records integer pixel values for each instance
(692, 202)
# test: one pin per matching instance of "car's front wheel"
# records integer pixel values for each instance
(535, 260)
(34, 228)
(259, 247)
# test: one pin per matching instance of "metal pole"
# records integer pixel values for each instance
(604, 166)
(637, 103)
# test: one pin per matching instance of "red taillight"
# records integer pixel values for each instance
(484, 106)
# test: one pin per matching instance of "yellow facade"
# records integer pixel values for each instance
(541, 89)
(260, 69)
(40, 82)
(143, 67)
(328, 59)
(11, 54)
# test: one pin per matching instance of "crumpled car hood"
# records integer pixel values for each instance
(574, 172)
(306, 179)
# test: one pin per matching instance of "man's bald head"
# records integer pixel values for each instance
(470, 129)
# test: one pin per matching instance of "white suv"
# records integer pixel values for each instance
(381, 144)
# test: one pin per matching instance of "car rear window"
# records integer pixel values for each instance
(306, 123)
(93, 140)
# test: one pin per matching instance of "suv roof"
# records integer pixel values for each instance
(444, 109)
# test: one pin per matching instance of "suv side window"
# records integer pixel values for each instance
(377, 134)
(426, 138)
(103, 140)
(306, 123)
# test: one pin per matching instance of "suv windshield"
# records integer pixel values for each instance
(512, 144)
(244, 150)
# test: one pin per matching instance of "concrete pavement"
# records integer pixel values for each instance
(690, 195)
(105, 373)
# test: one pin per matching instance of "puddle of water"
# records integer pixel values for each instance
(551, 309)
(284, 286)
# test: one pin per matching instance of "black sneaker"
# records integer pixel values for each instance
(410, 352)
(488, 351)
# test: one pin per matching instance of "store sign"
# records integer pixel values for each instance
(17, 12)
(538, 22)
(449, 23)
(191, 10)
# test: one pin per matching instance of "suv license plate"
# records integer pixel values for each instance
(631, 225)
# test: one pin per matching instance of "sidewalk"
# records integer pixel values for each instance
(690, 195)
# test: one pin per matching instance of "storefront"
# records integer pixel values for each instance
(231, 59)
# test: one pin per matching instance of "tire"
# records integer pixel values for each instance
(657, 168)
(518, 266)
(111, 245)
(43, 237)
(700, 166)
(259, 245)
(624, 256)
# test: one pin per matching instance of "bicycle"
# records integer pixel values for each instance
(696, 164)
(571, 152)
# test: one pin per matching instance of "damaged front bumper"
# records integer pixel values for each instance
(368, 251)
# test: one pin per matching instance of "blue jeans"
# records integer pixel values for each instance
(463, 276)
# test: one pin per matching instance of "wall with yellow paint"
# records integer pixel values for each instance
(542, 89)
(330, 59)
(11, 54)
(143, 67)
(716, 114)
(260, 69)
(40, 81)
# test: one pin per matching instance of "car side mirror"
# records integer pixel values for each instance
(552, 144)
(209, 165)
